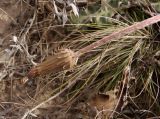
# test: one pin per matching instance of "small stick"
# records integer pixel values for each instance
(67, 58)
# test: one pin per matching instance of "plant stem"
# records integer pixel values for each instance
(118, 34)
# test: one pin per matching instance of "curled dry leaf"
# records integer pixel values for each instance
(106, 102)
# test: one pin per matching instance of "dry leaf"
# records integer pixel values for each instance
(105, 102)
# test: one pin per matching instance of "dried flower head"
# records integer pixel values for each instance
(63, 60)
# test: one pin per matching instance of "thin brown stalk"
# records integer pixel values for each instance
(118, 34)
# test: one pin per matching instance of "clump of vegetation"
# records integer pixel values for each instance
(120, 78)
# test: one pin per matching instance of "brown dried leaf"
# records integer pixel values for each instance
(106, 102)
